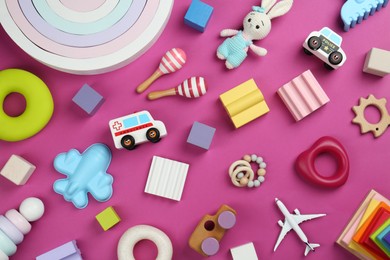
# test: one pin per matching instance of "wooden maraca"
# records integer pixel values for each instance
(193, 87)
(172, 61)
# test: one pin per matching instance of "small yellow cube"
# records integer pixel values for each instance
(108, 218)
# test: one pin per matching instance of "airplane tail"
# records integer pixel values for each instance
(310, 247)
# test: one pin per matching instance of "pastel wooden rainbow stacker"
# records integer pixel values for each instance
(172, 61)
(193, 87)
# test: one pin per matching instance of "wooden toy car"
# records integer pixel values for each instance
(326, 45)
(211, 229)
(133, 129)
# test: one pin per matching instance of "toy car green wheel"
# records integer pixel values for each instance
(153, 135)
(314, 43)
(335, 58)
(128, 142)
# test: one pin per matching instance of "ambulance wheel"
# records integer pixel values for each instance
(128, 142)
(153, 135)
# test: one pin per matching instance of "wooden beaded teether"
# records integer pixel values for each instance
(238, 168)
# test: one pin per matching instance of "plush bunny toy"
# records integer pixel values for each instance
(257, 25)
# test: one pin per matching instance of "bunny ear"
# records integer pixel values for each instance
(267, 4)
(280, 8)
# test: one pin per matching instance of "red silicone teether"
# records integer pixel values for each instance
(306, 168)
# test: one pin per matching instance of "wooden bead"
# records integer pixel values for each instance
(247, 158)
(244, 181)
(261, 172)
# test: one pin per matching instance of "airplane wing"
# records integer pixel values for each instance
(101, 186)
(285, 229)
(66, 163)
(300, 218)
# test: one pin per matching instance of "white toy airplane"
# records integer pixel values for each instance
(292, 221)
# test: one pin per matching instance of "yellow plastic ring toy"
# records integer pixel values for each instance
(39, 105)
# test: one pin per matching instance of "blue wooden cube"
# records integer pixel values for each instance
(201, 135)
(88, 99)
(198, 15)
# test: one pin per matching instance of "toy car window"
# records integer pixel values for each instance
(144, 119)
(325, 31)
(130, 122)
(335, 39)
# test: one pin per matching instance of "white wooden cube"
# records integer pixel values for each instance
(166, 178)
(244, 252)
(17, 170)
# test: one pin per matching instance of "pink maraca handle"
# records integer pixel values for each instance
(144, 85)
(163, 93)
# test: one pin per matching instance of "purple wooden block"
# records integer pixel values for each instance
(68, 251)
(387, 238)
(88, 99)
(201, 135)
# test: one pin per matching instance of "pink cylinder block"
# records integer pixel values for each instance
(18, 220)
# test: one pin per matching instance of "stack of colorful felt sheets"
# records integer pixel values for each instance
(367, 235)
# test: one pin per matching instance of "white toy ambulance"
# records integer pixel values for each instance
(137, 128)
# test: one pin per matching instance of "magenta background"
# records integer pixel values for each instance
(275, 136)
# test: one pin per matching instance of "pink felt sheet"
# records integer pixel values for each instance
(276, 136)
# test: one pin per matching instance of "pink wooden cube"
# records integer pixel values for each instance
(17, 170)
(303, 95)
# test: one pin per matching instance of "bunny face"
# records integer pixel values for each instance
(257, 25)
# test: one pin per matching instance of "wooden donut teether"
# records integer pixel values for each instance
(380, 127)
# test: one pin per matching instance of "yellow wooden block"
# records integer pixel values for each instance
(108, 218)
(244, 103)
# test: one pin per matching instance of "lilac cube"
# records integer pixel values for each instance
(68, 251)
(88, 99)
(201, 135)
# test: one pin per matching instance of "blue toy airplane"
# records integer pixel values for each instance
(86, 172)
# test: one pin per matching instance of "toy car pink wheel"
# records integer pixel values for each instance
(314, 43)
(153, 135)
(128, 142)
(335, 58)
(210, 246)
(227, 219)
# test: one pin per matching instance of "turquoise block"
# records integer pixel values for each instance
(6, 244)
(380, 239)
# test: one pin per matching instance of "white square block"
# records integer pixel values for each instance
(17, 170)
(377, 62)
(166, 178)
(244, 252)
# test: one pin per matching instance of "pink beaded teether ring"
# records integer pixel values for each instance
(237, 169)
